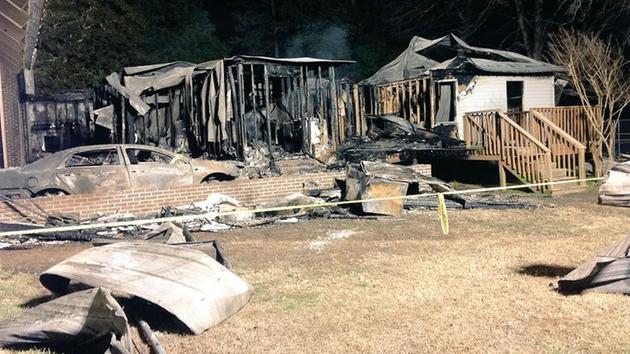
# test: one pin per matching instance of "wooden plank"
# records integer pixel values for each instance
(357, 109)
(241, 107)
(306, 103)
(502, 177)
(254, 107)
(334, 112)
(235, 108)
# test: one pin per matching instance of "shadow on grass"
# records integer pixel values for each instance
(544, 270)
(36, 301)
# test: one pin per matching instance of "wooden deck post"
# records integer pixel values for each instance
(502, 177)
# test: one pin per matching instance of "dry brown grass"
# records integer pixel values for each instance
(398, 285)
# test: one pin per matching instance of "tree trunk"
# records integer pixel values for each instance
(596, 152)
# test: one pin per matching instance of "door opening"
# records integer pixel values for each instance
(514, 90)
(445, 100)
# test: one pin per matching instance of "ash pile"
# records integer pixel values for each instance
(394, 139)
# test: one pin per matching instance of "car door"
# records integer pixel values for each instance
(97, 170)
(150, 168)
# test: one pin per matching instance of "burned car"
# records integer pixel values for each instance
(102, 168)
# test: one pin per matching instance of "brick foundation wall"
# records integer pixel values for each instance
(12, 116)
(149, 201)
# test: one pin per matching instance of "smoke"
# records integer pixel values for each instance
(321, 41)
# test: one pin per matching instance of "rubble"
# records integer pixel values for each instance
(615, 190)
(88, 321)
(393, 139)
(186, 282)
(608, 272)
(377, 179)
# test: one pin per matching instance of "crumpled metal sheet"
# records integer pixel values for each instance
(607, 272)
(89, 321)
(135, 101)
(186, 282)
(615, 190)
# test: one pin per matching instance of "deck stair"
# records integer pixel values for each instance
(528, 145)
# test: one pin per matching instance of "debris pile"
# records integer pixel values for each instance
(393, 139)
(188, 279)
(615, 190)
(369, 180)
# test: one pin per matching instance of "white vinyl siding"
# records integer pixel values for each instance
(490, 93)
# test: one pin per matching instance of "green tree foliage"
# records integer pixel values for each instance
(82, 41)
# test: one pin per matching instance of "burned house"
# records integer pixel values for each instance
(434, 83)
(501, 104)
(223, 108)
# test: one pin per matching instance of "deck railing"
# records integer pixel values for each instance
(567, 153)
(481, 133)
(571, 119)
(494, 134)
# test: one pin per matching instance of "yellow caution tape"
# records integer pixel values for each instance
(212, 215)
(441, 209)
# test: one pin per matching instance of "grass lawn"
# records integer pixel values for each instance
(399, 285)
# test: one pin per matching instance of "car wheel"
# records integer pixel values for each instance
(50, 193)
(217, 177)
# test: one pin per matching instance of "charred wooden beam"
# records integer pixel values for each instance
(241, 108)
(254, 110)
(300, 106)
(239, 142)
(157, 120)
(267, 112)
(334, 113)
(307, 112)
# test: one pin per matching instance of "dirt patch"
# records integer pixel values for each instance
(399, 285)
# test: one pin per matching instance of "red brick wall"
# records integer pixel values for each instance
(146, 201)
(12, 117)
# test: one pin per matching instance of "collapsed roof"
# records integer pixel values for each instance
(451, 53)
(146, 78)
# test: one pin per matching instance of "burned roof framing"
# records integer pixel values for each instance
(221, 108)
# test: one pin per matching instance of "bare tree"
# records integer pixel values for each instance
(597, 70)
(462, 16)
(524, 24)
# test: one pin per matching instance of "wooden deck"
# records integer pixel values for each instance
(534, 146)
